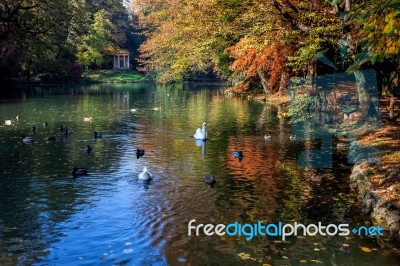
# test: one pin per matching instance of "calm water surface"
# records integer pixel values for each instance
(109, 217)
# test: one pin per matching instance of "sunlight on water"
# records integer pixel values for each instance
(110, 217)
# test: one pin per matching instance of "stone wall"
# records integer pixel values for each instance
(378, 190)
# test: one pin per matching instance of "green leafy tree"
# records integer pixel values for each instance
(377, 29)
(32, 33)
(94, 46)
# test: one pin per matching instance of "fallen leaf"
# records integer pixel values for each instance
(317, 261)
(366, 249)
(244, 256)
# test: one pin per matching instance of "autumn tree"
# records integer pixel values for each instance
(377, 29)
(179, 37)
(245, 40)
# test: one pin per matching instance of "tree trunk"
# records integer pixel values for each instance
(282, 83)
(312, 72)
(385, 89)
(391, 107)
(264, 81)
(347, 5)
(363, 96)
(312, 68)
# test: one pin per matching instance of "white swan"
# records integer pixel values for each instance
(145, 175)
(201, 133)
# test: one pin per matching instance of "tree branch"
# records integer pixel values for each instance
(294, 22)
(292, 7)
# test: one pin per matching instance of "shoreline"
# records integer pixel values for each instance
(377, 185)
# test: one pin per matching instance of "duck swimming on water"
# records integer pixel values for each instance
(27, 139)
(210, 179)
(79, 171)
(97, 135)
(238, 154)
(88, 149)
(139, 153)
(68, 132)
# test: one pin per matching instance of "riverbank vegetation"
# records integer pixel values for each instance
(265, 43)
(258, 45)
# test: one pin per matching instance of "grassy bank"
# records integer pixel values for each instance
(113, 76)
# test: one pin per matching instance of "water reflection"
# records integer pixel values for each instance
(201, 143)
(110, 217)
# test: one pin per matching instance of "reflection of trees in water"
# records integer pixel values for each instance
(266, 121)
(257, 175)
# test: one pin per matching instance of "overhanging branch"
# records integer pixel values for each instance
(294, 22)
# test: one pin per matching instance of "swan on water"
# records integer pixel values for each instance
(201, 133)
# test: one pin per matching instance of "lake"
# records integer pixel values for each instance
(109, 217)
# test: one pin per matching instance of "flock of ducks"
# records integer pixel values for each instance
(63, 130)
(145, 175)
(200, 134)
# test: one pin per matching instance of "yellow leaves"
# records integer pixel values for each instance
(392, 49)
(303, 261)
(382, 32)
(317, 261)
(366, 249)
(244, 256)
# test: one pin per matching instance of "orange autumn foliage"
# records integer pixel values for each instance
(270, 59)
